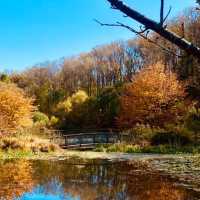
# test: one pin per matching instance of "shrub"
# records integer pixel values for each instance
(64, 107)
(170, 138)
(40, 118)
(5, 78)
(27, 143)
(193, 122)
(79, 97)
(140, 134)
(122, 148)
(53, 121)
(11, 143)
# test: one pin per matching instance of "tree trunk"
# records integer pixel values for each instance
(158, 28)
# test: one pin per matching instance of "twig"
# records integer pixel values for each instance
(168, 13)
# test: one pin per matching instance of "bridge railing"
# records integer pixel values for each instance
(85, 138)
(82, 140)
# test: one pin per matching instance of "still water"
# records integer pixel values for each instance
(92, 180)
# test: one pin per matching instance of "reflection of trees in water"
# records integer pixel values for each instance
(154, 187)
(151, 185)
(90, 181)
(15, 178)
(93, 181)
(112, 181)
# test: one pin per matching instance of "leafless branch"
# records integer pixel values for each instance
(168, 13)
(182, 43)
(119, 24)
(143, 34)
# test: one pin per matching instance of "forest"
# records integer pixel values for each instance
(149, 90)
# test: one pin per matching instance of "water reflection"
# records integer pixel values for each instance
(95, 180)
(53, 190)
(15, 178)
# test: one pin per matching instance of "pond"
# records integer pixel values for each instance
(74, 179)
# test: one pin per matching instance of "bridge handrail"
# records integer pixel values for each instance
(91, 134)
(78, 139)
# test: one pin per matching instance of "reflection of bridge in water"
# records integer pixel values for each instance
(85, 140)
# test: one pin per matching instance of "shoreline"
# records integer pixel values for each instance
(91, 155)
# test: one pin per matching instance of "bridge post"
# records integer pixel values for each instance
(120, 137)
(94, 139)
(107, 138)
(80, 140)
(66, 143)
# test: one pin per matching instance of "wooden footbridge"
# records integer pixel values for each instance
(86, 139)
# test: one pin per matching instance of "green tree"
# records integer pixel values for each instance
(4, 78)
(108, 105)
(193, 121)
(40, 118)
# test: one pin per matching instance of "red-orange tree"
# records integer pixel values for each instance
(152, 98)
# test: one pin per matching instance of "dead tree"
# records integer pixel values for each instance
(150, 24)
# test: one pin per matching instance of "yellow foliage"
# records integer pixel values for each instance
(76, 99)
(20, 177)
(53, 121)
(15, 108)
(65, 106)
(79, 97)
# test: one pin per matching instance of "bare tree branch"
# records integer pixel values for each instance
(162, 31)
(168, 13)
(119, 24)
(141, 33)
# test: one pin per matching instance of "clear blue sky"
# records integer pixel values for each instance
(34, 31)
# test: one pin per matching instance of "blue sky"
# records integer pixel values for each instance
(34, 31)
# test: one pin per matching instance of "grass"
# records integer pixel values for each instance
(25, 146)
(162, 149)
(25, 154)
(15, 154)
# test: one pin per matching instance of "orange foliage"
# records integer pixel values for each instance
(15, 107)
(16, 177)
(152, 98)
